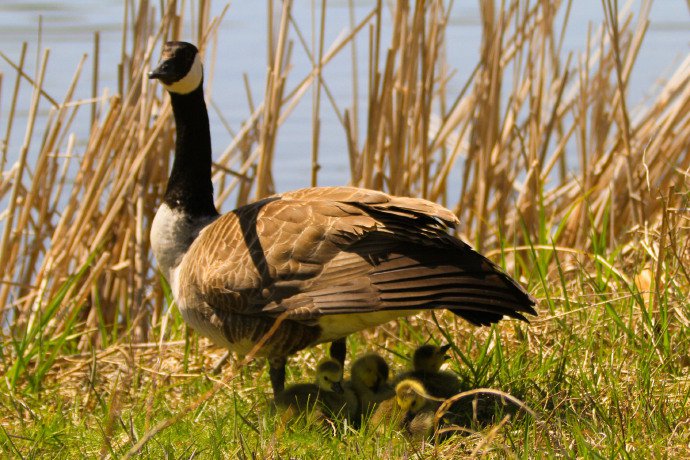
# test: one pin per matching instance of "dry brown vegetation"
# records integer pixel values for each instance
(557, 174)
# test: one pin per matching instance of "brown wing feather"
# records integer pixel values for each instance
(419, 279)
(323, 251)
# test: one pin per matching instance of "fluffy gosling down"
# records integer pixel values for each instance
(369, 382)
(412, 409)
(427, 361)
(426, 368)
(325, 395)
(327, 261)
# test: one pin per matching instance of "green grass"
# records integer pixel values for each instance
(606, 375)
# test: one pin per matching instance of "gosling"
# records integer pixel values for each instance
(426, 362)
(325, 397)
(412, 410)
(369, 383)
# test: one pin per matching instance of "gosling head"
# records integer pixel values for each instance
(429, 358)
(180, 70)
(329, 375)
(371, 370)
(410, 396)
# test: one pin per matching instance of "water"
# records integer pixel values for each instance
(68, 26)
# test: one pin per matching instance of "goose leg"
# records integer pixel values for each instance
(276, 371)
(339, 350)
(220, 363)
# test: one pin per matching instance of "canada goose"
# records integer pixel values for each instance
(411, 408)
(326, 393)
(369, 381)
(325, 262)
(426, 368)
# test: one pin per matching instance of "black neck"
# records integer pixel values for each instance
(189, 187)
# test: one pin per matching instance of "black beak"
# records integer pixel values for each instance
(162, 72)
(338, 388)
(154, 74)
(377, 384)
(444, 348)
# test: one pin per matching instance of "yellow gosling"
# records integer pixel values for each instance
(411, 409)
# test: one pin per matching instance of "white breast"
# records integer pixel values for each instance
(197, 315)
(172, 232)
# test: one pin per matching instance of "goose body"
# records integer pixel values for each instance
(327, 261)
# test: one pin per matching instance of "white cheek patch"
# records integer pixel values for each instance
(189, 82)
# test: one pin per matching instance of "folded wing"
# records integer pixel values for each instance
(341, 250)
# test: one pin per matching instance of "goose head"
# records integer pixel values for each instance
(180, 70)
(429, 358)
(329, 376)
(410, 396)
(370, 370)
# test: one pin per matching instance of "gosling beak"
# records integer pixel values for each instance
(445, 348)
(337, 388)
